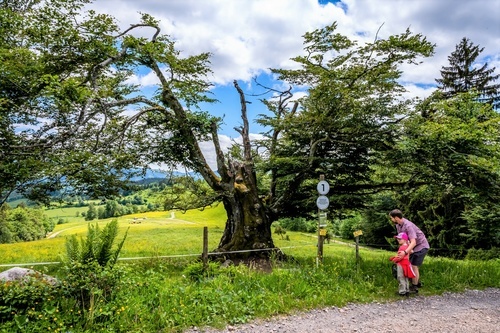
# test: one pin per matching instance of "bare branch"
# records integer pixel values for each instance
(221, 162)
(244, 131)
(134, 26)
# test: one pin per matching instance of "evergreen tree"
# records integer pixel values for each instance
(451, 160)
(462, 76)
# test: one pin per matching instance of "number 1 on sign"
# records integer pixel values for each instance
(323, 187)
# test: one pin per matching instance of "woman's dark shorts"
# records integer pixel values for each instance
(417, 258)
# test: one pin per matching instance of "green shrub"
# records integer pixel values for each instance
(97, 247)
(298, 224)
(280, 231)
(481, 254)
(345, 227)
(5, 233)
(89, 284)
(32, 305)
(24, 224)
(88, 267)
(18, 297)
(83, 301)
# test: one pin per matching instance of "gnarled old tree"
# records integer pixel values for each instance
(249, 219)
(92, 123)
(88, 124)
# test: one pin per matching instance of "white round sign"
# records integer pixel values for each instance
(323, 187)
(322, 202)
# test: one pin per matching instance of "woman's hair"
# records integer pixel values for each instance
(396, 213)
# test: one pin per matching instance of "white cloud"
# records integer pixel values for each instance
(247, 37)
(147, 80)
(418, 91)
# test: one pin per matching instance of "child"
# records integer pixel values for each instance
(404, 270)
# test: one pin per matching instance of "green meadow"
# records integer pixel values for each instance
(159, 285)
(151, 234)
(148, 234)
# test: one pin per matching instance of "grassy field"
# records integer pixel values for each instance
(151, 234)
(168, 291)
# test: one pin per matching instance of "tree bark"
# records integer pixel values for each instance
(248, 225)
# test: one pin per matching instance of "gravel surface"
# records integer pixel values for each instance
(476, 311)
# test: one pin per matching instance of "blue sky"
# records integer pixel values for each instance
(247, 37)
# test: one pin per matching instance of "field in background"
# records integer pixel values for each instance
(151, 234)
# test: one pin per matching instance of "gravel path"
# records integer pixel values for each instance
(476, 311)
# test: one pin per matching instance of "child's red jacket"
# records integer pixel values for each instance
(404, 262)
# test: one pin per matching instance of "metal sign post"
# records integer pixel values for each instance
(322, 202)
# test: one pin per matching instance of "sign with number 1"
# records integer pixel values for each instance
(323, 187)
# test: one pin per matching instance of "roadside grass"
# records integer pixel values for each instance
(159, 301)
(169, 291)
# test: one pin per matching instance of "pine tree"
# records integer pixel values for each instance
(462, 76)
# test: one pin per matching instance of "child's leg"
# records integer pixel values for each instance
(407, 287)
(403, 282)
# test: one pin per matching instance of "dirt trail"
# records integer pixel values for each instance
(472, 311)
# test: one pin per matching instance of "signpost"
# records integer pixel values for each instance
(322, 202)
(357, 233)
(322, 219)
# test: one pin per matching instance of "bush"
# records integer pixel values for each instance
(345, 227)
(298, 224)
(24, 224)
(280, 231)
(88, 284)
(84, 298)
(98, 247)
(481, 254)
(32, 303)
(5, 234)
(91, 278)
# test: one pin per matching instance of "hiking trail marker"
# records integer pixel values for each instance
(322, 202)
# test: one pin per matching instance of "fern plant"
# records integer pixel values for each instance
(90, 276)
(97, 247)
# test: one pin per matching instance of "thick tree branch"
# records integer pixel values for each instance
(244, 130)
(221, 161)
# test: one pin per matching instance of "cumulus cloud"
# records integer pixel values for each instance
(248, 37)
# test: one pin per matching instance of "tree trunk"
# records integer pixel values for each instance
(248, 227)
(247, 233)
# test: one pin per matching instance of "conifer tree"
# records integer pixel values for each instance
(462, 76)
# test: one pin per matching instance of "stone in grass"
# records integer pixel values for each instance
(20, 274)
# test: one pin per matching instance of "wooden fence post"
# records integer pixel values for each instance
(204, 256)
(357, 233)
